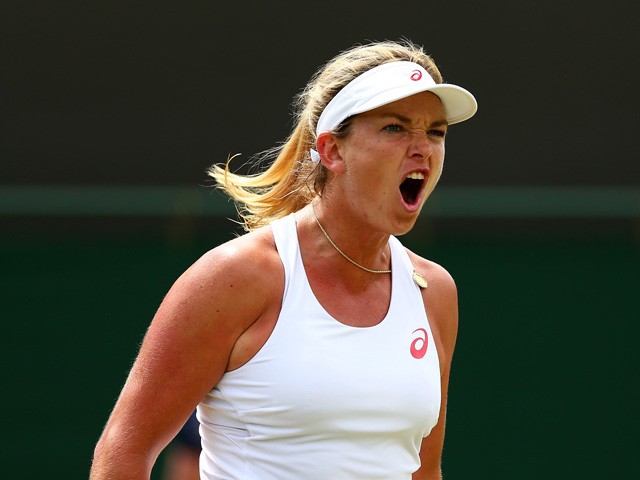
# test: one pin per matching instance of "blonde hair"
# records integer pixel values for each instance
(292, 180)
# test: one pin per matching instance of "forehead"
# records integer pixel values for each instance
(419, 107)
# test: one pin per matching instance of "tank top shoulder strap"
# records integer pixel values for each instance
(402, 266)
(286, 240)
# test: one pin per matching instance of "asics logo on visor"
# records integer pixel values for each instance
(416, 75)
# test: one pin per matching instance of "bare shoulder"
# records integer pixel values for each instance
(228, 274)
(251, 254)
(219, 297)
(439, 278)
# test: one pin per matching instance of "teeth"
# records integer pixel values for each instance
(416, 176)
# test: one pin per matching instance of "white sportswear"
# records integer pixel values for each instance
(322, 400)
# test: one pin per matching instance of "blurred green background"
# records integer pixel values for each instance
(111, 111)
(544, 379)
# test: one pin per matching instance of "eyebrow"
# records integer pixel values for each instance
(403, 119)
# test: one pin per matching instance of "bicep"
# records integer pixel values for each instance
(179, 360)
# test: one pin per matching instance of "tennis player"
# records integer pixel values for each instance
(315, 346)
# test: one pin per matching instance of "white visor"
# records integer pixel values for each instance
(387, 83)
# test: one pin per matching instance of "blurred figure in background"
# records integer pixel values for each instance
(182, 456)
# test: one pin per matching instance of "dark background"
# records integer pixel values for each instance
(111, 111)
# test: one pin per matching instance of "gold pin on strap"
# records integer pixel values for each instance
(419, 279)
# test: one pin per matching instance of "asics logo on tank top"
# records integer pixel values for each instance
(416, 75)
(419, 345)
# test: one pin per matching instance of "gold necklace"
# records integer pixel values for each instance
(417, 278)
(338, 248)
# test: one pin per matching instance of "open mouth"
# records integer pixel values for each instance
(411, 186)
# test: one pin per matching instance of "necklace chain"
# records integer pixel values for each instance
(338, 248)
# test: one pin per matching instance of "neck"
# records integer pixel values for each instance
(339, 250)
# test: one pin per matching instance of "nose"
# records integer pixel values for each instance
(420, 146)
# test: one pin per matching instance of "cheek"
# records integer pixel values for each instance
(373, 165)
(436, 165)
(438, 156)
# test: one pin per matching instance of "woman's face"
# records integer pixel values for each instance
(393, 157)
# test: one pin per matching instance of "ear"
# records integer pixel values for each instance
(327, 147)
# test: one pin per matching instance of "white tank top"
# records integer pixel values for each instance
(323, 400)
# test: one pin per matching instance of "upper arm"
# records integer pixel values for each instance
(441, 304)
(187, 347)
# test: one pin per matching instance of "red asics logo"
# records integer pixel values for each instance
(416, 75)
(419, 344)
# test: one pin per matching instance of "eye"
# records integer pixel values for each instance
(438, 133)
(394, 128)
